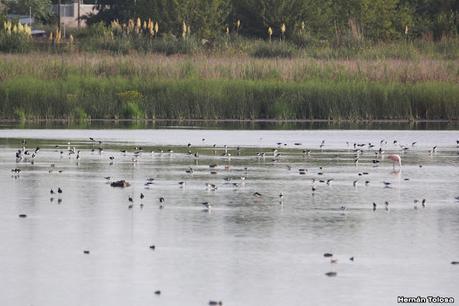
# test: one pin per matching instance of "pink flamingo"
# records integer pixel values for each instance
(395, 158)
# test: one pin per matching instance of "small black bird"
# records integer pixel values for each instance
(130, 199)
(59, 190)
(142, 196)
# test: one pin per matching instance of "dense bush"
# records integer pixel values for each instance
(15, 43)
(273, 49)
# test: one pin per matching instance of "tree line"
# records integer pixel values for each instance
(373, 20)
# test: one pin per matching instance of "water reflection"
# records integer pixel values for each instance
(234, 125)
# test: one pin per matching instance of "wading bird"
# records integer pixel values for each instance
(395, 158)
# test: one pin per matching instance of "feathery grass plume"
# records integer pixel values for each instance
(188, 31)
(150, 27)
(283, 29)
(130, 27)
(406, 30)
(302, 26)
(8, 25)
(238, 25)
(116, 27)
(57, 36)
(71, 39)
(51, 37)
(184, 28)
(28, 30)
(144, 25)
(156, 27)
(227, 31)
(270, 33)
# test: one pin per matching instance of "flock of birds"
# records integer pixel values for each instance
(357, 153)
(25, 155)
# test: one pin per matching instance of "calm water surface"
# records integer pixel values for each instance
(247, 250)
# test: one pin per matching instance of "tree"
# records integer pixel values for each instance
(207, 18)
(378, 19)
(336, 20)
(40, 9)
(257, 15)
(438, 17)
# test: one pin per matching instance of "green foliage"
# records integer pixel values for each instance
(80, 115)
(228, 99)
(130, 101)
(170, 45)
(20, 115)
(206, 18)
(41, 9)
(15, 42)
(273, 50)
(325, 20)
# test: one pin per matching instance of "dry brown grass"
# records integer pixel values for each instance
(153, 66)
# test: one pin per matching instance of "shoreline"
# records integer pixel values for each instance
(383, 121)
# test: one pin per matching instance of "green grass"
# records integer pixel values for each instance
(99, 98)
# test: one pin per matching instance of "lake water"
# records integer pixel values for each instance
(246, 250)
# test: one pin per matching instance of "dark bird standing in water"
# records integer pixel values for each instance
(207, 206)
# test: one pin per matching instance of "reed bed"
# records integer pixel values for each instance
(81, 98)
